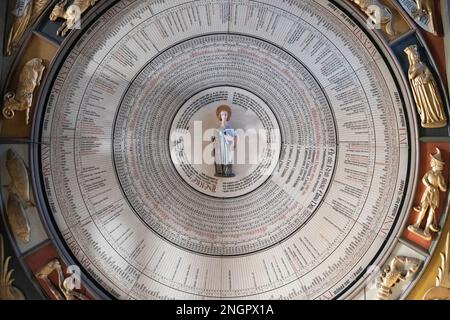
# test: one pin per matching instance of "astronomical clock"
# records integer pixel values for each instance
(224, 149)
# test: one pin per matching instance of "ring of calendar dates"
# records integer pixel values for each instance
(225, 310)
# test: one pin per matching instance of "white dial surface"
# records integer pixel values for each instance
(302, 222)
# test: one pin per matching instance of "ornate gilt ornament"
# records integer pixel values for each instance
(26, 14)
(422, 12)
(7, 290)
(442, 289)
(425, 91)
(379, 15)
(72, 14)
(19, 196)
(399, 269)
(65, 290)
(22, 99)
(434, 182)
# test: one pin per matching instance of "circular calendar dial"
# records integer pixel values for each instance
(128, 125)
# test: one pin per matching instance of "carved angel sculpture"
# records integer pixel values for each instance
(24, 18)
(22, 99)
(72, 14)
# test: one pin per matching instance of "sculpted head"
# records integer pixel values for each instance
(58, 11)
(413, 53)
(223, 112)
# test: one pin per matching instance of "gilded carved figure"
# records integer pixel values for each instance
(19, 198)
(26, 14)
(423, 12)
(17, 219)
(20, 182)
(399, 269)
(378, 14)
(71, 14)
(434, 182)
(22, 98)
(65, 289)
(425, 90)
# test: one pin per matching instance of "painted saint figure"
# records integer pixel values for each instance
(225, 140)
(425, 91)
(434, 182)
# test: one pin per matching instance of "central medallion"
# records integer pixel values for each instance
(225, 142)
